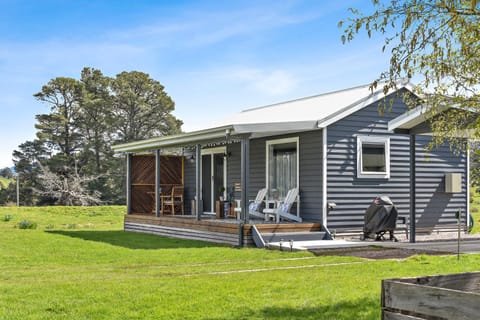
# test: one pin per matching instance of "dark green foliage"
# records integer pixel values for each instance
(7, 217)
(436, 44)
(27, 224)
(6, 173)
(140, 99)
(73, 145)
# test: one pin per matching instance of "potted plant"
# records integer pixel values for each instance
(221, 192)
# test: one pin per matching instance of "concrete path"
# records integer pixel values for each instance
(317, 244)
(466, 246)
(450, 246)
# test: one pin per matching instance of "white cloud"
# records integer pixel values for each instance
(270, 82)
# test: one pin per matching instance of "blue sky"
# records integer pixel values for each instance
(214, 58)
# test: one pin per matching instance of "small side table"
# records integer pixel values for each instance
(269, 211)
(219, 209)
(271, 204)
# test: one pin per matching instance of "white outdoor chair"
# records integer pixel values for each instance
(254, 205)
(283, 210)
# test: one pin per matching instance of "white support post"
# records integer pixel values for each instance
(468, 188)
(324, 176)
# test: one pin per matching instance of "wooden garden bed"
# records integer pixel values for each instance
(453, 296)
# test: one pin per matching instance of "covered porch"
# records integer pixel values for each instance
(214, 169)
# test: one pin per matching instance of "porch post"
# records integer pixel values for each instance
(467, 216)
(412, 187)
(128, 187)
(157, 183)
(198, 171)
(324, 177)
(244, 174)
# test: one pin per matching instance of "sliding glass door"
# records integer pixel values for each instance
(213, 177)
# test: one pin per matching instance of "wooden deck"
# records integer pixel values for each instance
(227, 231)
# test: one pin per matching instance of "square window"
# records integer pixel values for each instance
(373, 157)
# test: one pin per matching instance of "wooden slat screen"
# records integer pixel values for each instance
(142, 200)
(143, 169)
(143, 179)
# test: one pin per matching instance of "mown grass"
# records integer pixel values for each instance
(475, 209)
(78, 264)
(4, 182)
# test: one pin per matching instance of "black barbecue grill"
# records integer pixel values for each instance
(380, 218)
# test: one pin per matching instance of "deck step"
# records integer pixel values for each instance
(295, 236)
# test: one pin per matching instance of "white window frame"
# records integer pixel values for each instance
(371, 174)
(267, 157)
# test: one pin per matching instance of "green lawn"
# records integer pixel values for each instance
(475, 209)
(78, 264)
(4, 182)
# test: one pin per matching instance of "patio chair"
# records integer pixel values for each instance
(254, 206)
(283, 210)
(173, 202)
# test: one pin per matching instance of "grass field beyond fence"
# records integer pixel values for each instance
(79, 264)
(4, 182)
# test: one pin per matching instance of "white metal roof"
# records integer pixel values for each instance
(306, 113)
(297, 115)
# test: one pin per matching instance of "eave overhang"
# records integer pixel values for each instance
(358, 105)
(174, 140)
(214, 134)
(416, 122)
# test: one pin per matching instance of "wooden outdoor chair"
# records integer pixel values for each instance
(283, 210)
(173, 202)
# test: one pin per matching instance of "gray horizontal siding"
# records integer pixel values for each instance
(189, 183)
(310, 171)
(434, 207)
(311, 175)
(233, 167)
(351, 194)
(354, 195)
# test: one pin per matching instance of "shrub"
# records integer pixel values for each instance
(474, 210)
(93, 214)
(7, 217)
(49, 226)
(27, 224)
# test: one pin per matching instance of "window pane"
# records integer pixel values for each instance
(373, 157)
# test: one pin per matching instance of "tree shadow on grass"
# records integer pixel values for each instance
(133, 240)
(365, 308)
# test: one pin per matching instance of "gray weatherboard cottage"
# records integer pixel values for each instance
(336, 147)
